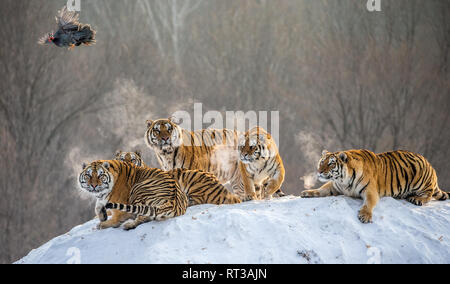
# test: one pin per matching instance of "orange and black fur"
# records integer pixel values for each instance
(130, 157)
(203, 188)
(260, 163)
(200, 187)
(133, 192)
(364, 174)
(208, 150)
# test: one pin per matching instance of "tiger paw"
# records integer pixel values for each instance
(130, 225)
(415, 201)
(100, 226)
(310, 193)
(250, 197)
(365, 216)
(106, 225)
(267, 197)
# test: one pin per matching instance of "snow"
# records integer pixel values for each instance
(284, 230)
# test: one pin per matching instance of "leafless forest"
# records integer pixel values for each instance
(340, 76)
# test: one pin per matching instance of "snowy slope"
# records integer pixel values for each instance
(286, 230)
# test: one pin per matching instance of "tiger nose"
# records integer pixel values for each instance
(165, 138)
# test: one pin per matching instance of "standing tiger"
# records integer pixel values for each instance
(208, 150)
(200, 187)
(366, 175)
(133, 192)
(260, 163)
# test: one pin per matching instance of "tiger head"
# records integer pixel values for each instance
(96, 178)
(256, 145)
(332, 166)
(163, 135)
(130, 157)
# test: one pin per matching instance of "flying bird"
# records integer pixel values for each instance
(70, 32)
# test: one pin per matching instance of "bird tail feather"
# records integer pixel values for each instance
(86, 35)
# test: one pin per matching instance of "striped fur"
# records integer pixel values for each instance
(208, 150)
(130, 157)
(260, 163)
(200, 187)
(364, 174)
(135, 192)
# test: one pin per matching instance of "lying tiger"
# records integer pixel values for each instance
(134, 192)
(200, 187)
(260, 163)
(364, 174)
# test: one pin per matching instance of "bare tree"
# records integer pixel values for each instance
(169, 18)
(340, 76)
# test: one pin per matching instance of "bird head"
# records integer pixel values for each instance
(46, 39)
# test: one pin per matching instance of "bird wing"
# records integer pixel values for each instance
(67, 20)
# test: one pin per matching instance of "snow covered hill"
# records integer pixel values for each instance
(286, 230)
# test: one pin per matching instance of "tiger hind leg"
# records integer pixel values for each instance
(156, 213)
(116, 220)
(421, 198)
(440, 194)
(132, 224)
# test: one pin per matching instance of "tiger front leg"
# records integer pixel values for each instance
(371, 197)
(325, 190)
(250, 191)
(259, 189)
(100, 211)
(249, 185)
(116, 220)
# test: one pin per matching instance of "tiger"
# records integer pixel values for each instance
(260, 163)
(364, 174)
(131, 157)
(200, 187)
(144, 194)
(208, 150)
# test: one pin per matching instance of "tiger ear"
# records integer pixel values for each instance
(84, 166)
(138, 152)
(324, 152)
(174, 120)
(343, 157)
(262, 138)
(106, 165)
(117, 153)
(149, 123)
(241, 140)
